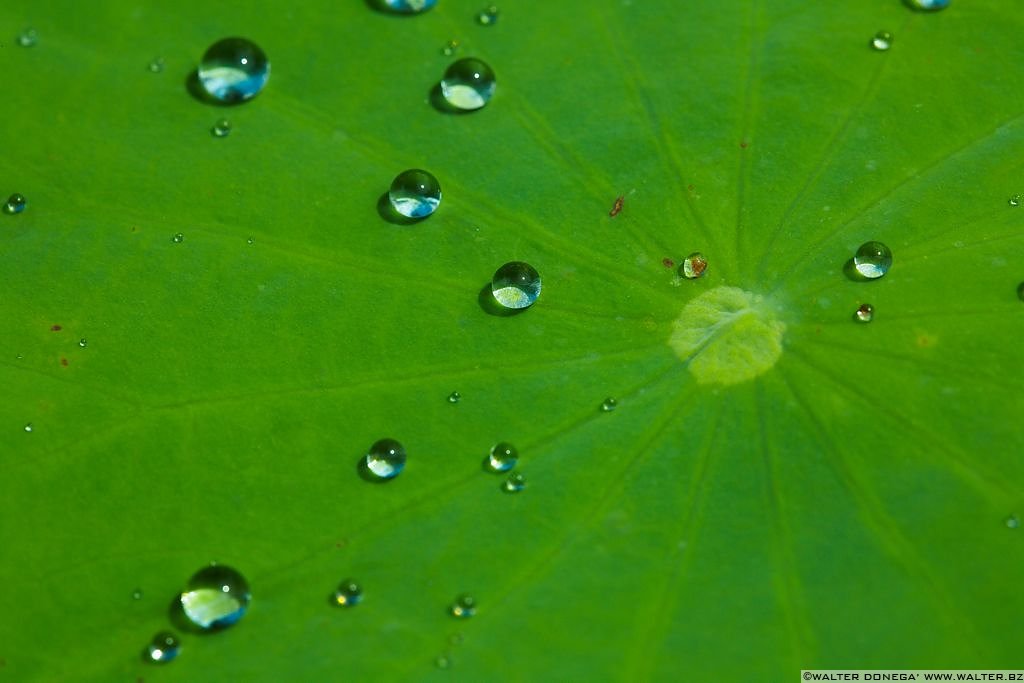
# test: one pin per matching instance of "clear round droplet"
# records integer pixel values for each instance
(156, 65)
(928, 5)
(516, 285)
(415, 193)
(386, 459)
(1012, 522)
(1015, 200)
(454, 397)
(28, 38)
(864, 314)
(348, 594)
(178, 238)
(16, 203)
(221, 129)
(29, 427)
(215, 597)
(164, 647)
(407, 6)
(468, 84)
(488, 16)
(83, 342)
(450, 48)
(693, 266)
(515, 483)
(609, 404)
(503, 457)
(463, 607)
(234, 70)
(872, 260)
(882, 41)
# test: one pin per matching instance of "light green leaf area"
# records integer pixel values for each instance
(839, 496)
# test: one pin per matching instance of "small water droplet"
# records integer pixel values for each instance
(16, 203)
(864, 314)
(442, 662)
(407, 6)
(609, 404)
(348, 594)
(468, 84)
(516, 285)
(164, 648)
(1012, 522)
(463, 607)
(83, 342)
(1015, 200)
(872, 260)
(156, 65)
(251, 240)
(450, 48)
(415, 193)
(488, 16)
(221, 129)
(215, 597)
(29, 427)
(386, 459)
(515, 483)
(28, 38)
(454, 397)
(882, 41)
(502, 458)
(137, 594)
(928, 5)
(234, 70)
(178, 238)
(693, 266)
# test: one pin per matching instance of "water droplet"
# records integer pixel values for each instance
(16, 203)
(234, 70)
(502, 458)
(83, 342)
(928, 5)
(442, 662)
(28, 38)
(609, 404)
(157, 65)
(221, 129)
(450, 48)
(415, 193)
(1015, 200)
(215, 597)
(251, 240)
(882, 41)
(386, 459)
(515, 483)
(1020, 291)
(137, 594)
(864, 314)
(463, 607)
(454, 397)
(28, 427)
(164, 648)
(408, 6)
(516, 285)
(872, 260)
(693, 266)
(1012, 522)
(488, 16)
(349, 593)
(178, 238)
(468, 84)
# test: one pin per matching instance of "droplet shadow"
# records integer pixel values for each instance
(386, 211)
(491, 306)
(850, 270)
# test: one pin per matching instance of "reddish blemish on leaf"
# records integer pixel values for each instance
(617, 206)
(668, 263)
(743, 144)
(690, 188)
(56, 328)
(64, 362)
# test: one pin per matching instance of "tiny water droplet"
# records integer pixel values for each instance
(488, 16)
(221, 129)
(450, 48)
(609, 404)
(928, 5)
(234, 70)
(864, 314)
(386, 459)
(415, 193)
(28, 427)
(251, 240)
(156, 65)
(502, 458)
(137, 594)
(454, 397)
(28, 38)
(83, 342)
(16, 203)
(408, 6)
(693, 266)
(872, 260)
(468, 84)
(348, 594)
(516, 285)
(1015, 200)
(515, 483)
(442, 662)
(178, 238)
(1013, 521)
(882, 41)
(463, 607)
(164, 648)
(215, 597)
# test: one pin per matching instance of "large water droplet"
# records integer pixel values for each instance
(463, 607)
(516, 285)
(164, 647)
(488, 16)
(882, 41)
(415, 193)
(468, 84)
(502, 458)
(693, 266)
(221, 129)
(16, 203)
(28, 38)
(872, 260)
(928, 5)
(215, 597)
(515, 483)
(234, 70)
(348, 594)
(406, 6)
(609, 404)
(864, 314)
(386, 459)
